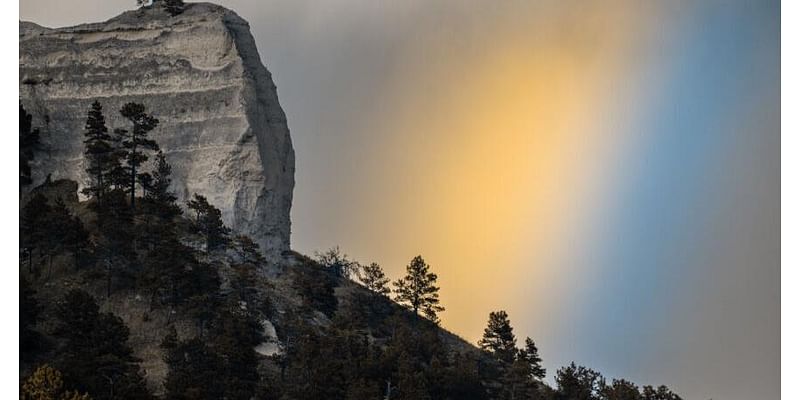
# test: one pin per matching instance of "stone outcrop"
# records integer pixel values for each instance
(221, 125)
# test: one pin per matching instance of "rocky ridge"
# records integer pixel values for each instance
(221, 124)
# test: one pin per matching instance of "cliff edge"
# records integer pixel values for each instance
(221, 125)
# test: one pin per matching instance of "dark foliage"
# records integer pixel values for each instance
(316, 287)
(173, 7)
(208, 222)
(374, 279)
(498, 337)
(94, 354)
(337, 262)
(418, 291)
(101, 157)
(135, 143)
(28, 141)
(29, 311)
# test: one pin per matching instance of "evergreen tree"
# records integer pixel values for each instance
(116, 253)
(578, 383)
(95, 355)
(208, 222)
(620, 389)
(135, 142)
(34, 227)
(530, 358)
(99, 152)
(248, 250)
(660, 393)
(374, 279)
(159, 193)
(193, 372)
(28, 140)
(337, 262)
(29, 312)
(51, 230)
(167, 269)
(235, 333)
(418, 291)
(498, 337)
(46, 383)
(316, 287)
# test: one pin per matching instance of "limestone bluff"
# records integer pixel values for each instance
(221, 125)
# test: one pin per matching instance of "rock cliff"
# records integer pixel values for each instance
(221, 125)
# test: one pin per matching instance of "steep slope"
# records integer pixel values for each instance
(221, 125)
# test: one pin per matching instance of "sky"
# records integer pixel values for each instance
(606, 172)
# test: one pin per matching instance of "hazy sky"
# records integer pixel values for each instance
(607, 172)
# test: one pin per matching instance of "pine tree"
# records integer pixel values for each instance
(578, 383)
(418, 291)
(208, 221)
(95, 355)
(660, 393)
(135, 142)
(248, 250)
(498, 337)
(530, 358)
(99, 153)
(235, 333)
(337, 262)
(159, 194)
(620, 389)
(115, 245)
(166, 268)
(193, 372)
(374, 279)
(34, 223)
(28, 140)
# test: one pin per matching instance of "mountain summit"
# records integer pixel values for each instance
(221, 126)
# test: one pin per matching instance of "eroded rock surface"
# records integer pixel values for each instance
(221, 125)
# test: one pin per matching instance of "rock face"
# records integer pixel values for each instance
(221, 126)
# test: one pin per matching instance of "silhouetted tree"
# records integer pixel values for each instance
(418, 291)
(234, 334)
(95, 355)
(530, 358)
(578, 383)
(208, 222)
(135, 142)
(620, 389)
(29, 312)
(99, 153)
(374, 279)
(34, 227)
(28, 140)
(193, 371)
(660, 393)
(248, 250)
(316, 287)
(498, 337)
(338, 262)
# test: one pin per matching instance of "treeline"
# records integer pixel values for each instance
(403, 356)
(373, 340)
(131, 237)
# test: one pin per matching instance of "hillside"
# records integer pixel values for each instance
(221, 125)
(156, 178)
